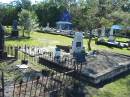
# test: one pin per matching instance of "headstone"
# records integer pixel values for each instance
(111, 37)
(57, 55)
(15, 29)
(95, 32)
(102, 34)
(77, 44)
(2, 53)
(48, 25)
(78, 50)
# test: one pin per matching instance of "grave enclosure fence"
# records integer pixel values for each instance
(53, 85)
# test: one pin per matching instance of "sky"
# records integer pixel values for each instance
(8, 1)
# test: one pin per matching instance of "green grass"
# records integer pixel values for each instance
(44, 40)
(119, 88)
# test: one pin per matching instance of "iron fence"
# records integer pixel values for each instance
(55, 84)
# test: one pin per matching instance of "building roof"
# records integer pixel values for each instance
(64, 22)
(117, 27)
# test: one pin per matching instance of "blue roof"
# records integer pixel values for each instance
(117, 27)
(64, 22)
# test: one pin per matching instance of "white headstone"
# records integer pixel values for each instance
(102, 34)
(111, 37)
(77, 44)
(96, 32)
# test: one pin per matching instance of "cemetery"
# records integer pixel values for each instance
(111, 41)
(68, 60)
(64, 49)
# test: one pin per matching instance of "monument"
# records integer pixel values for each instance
(3, 54)
(78, 50)
(77, 44)
(57, 55)
(114, 28)
(111, 37)
(15, 29)
(102, 34)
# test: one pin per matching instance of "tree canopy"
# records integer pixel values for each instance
(88, 14)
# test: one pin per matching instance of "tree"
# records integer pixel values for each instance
(48, 12)
(22, 4)
(28, 21)
(86, 18)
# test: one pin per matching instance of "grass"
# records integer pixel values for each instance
(44, 40)
(119, 88)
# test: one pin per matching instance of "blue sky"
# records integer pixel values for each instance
(8, 1)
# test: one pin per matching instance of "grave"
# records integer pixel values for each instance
(78, 50)
(3, 54)
(95, 67)
(102, 34)
(15, 32)
(57, 56)
(112, 42)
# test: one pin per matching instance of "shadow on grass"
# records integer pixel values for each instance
(17, 38)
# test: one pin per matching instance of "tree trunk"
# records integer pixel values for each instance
(89, 41)
(23, 31)
(89, 44)
(29, 34)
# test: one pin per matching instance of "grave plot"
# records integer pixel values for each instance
(98, 67)
(111, 42)
(105, 66)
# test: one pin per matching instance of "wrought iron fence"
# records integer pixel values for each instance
(53, 85)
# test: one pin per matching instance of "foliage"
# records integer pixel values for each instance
(27, 21)
(7, 14)
(48, 13)
(105, 22)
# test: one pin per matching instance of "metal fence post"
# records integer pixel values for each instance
(2, 82)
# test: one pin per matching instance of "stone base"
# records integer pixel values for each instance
(15, 34)
(111, 39)
(3, 55)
